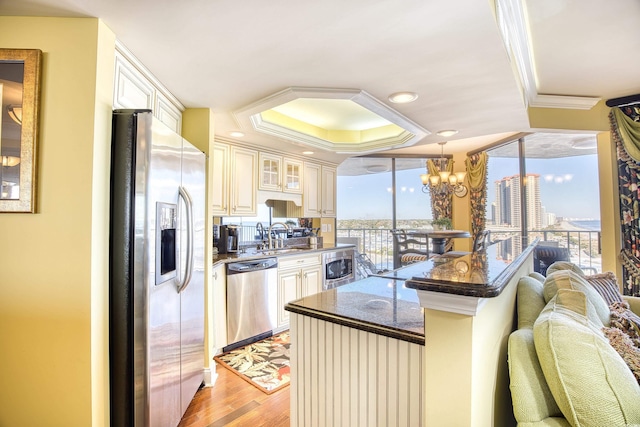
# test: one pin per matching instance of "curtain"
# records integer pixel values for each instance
(477, 176)
(625, 132)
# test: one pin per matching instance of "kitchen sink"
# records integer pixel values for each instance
(277, 251)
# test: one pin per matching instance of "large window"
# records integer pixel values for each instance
(560, 201)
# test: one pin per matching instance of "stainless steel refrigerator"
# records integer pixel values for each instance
(156, 307)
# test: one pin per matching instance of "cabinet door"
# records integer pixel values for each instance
(131, 89)
(311, 280)
(292, 179)
(328, 198)
(243, 182)
(287, 291)
(311, 196)
(217, 310)
(219, 179)
(270, 172)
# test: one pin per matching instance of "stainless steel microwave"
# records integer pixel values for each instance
(338, 268)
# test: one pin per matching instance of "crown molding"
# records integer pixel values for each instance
(512, 23)
(249, 117)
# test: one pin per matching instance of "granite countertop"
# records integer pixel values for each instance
(252, 253)
(379, 305)
(482, 274)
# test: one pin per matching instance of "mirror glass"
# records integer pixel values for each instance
(11, 89)
(20, 75)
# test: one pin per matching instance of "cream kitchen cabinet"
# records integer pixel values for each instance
(292, 176)
(298, 276)
(270, 172)
(243, 182)
(278, 173)
(319, 197)
(217, 310)
(328, 191)
(136, 87)
(220, 179)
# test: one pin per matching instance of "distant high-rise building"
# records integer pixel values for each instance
(508, 208)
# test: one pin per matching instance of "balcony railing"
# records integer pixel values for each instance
(585, 247)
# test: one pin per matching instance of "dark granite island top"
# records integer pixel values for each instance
(379, 305)
(482, 274)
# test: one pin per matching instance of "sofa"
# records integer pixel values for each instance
(574, 359)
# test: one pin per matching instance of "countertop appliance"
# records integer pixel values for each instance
(338, 268)
(226, 238)
(156, 267)
(252, 300)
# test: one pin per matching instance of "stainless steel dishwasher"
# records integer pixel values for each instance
(252, 292)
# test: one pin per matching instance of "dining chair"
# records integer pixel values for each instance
(408, 249)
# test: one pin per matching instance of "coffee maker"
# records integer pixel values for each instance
(225, 238)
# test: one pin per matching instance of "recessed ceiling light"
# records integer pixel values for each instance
(236, 134)
(403, 97)
(447, 133)
(308, 153)
(377, 168)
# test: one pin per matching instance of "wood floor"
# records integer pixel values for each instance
(235, 402)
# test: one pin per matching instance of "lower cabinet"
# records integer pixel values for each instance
(297, 277)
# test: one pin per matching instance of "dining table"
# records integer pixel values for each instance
(439, 237)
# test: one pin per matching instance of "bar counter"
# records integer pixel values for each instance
(388, 304)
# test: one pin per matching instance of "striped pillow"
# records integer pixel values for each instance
(411, 258)
(606, 285)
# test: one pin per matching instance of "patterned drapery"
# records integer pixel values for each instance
(625, 132)
(477, 176)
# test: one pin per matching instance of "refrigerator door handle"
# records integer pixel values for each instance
(188, 270)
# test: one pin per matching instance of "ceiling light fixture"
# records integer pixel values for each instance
(308, 153)
(236, 134)
(447, 133)
(403, 97)
(15, 112)
(442, 181)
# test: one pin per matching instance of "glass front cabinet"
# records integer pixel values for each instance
(280, 174)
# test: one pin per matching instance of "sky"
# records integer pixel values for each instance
(568, 188)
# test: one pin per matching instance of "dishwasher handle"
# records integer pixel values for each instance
(249, 266)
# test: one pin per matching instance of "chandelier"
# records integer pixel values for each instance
(441, 179)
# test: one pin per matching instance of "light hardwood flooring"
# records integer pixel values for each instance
(235, 402)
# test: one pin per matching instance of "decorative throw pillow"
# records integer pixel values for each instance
(626, 348)
(539, 277)
(589, 380)
(567, 279)
(564, 265)
(606, 285)
(626, 320)
(529, 301)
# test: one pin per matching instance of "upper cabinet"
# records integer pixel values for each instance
(319, 199)
(277, 173)
(242, 179)
(328, 191)
(220, 179)
(135, 87)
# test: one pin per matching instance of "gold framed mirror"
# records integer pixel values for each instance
(20, 75)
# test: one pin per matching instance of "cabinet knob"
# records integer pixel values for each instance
(215, 275)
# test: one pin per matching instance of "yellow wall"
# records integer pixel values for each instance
(198, 128)
(465, 362)
(53, 292)
(609, 204)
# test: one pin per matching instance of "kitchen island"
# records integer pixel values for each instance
(352, 366)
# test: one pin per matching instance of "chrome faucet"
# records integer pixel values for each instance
(269, 232)
(260, 229)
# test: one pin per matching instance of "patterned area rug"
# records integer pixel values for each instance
(264, 364)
